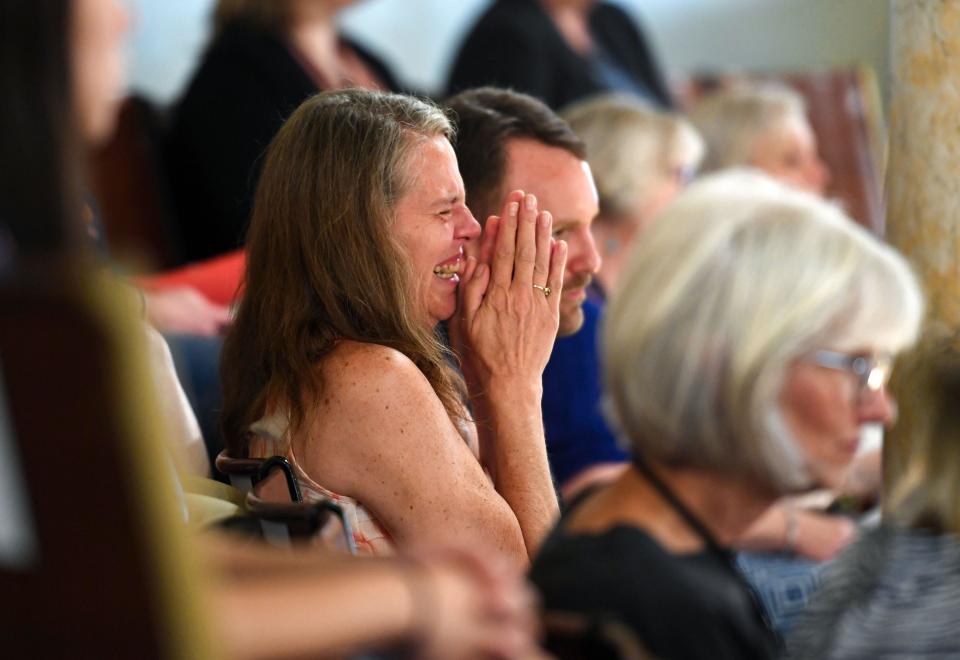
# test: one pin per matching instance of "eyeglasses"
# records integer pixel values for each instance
(872, 371)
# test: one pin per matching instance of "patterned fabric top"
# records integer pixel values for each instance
(894, 594)
(271, 439)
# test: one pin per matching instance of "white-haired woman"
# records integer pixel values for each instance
(747, 342)
(896, 592)
(641, 158)
(763, 126)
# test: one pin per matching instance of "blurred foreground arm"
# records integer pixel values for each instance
(451, 604)
(789, 528)
(185, 311)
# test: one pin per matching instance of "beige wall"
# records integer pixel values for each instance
(768, 35)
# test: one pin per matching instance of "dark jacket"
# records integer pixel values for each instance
(247, 84)
(515, 44)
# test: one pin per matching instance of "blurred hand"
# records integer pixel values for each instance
(480, 607)
(505, 326)
(865, 476)
(821, 536)
(185, 311)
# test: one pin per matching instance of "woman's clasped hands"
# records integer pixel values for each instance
(510, 296)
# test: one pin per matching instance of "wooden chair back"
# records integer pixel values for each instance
(844, 110)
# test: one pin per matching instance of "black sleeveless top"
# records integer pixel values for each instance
(678, 605)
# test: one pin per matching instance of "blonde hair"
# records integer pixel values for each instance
(631, 147)
(927, 495)
(732, 120)
(739, 277)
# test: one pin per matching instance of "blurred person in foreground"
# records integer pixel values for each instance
(761, 125)
(896, 591)
(641, 158)
(559, 51)
(61, 65)
(358, 250)
(264, 59)
(747, 342)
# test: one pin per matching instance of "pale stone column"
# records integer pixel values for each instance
(923, 176)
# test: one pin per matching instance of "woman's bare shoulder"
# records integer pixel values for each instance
(376, 408)
(361, 365)
(370, 388)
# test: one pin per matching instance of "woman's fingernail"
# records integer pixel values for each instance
(478, 273)
(545, 219)
(530, 202)
(514, 208)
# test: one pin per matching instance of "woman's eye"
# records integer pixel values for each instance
(445, 213)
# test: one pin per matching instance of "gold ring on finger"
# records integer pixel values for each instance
(546, 290)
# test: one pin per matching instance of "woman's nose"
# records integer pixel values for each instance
(467, 227)
(878, 406)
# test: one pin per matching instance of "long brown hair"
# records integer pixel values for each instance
(322, 264)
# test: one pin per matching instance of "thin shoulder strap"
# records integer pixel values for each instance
(688, 516)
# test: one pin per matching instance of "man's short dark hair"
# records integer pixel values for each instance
(486, 118)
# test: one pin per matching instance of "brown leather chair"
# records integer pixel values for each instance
(132, 194)
(843, 107)
(846, 115)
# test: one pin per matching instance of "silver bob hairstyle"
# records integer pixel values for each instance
(737, 278)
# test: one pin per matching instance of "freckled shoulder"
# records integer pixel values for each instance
(371, 392)
(382, 432)
(364, 371)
